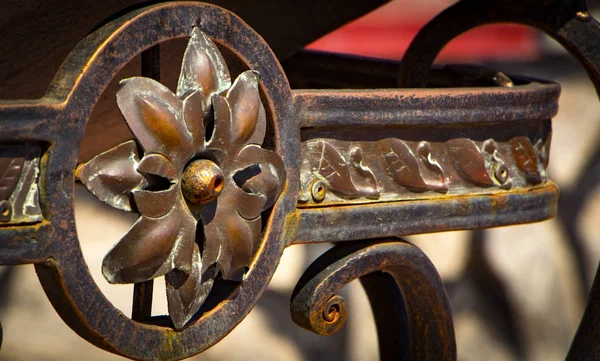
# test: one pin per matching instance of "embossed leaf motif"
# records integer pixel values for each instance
(10, 172)
(223, 190)
(334, 169)
(526, 158)
(470, 162)
(403, 166)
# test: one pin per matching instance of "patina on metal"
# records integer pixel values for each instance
(226, 174)
(223, 180)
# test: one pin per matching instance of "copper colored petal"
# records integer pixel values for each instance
(258, 137)
(526, 158)
(469, 162)
(244, 100)
(213, 237)
(112, 175)
(151, 248)
(221, 133)
(195, 109)
(402, 165)
(203, 68)
(271, 178)
(155, 204)
(334, 168)
(182, 254)
(157, 164)
(237, 238)
(187, 293)
(248, 205)
(10, 173)
(153, 114)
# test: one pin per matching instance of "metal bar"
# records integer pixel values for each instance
(142, 292)
(586, 344)
(401, 107)
(567, 21)
(25, 244)
(389, 311)
(368, 221)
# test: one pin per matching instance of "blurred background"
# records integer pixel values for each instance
(517, 293)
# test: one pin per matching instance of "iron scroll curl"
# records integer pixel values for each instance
(411, 308)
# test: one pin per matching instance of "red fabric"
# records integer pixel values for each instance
(384, 34)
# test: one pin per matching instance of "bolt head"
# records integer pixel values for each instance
(202, 181)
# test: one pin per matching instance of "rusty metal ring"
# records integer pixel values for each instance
(66, 108)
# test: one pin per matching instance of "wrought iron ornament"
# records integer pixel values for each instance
(348, 172)
(215, 206)
(202, 166)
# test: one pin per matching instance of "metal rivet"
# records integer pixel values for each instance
(319, 190)
(501, 173)
(202, 181)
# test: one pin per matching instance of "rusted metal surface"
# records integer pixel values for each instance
(220, 180)
(571, 25)
(368, 221)
(316, 307)
(567, 21)
(431, 107)
(65, 110)
(233, 166)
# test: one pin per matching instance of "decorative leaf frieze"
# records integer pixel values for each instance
(342, 171)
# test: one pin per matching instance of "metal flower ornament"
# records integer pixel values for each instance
(200, 183)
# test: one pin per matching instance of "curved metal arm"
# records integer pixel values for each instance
(567, 21)
(409, 302)
(572, 26)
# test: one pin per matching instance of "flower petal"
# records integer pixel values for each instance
(112, 175)
(203, 68)
(153, 114)
(187, 293)
(258, 137)
(157, 164)
(155, 204)
(270, 179)
(234, 237)
(222, 126)
(194, 112)
(151, 248)
(245, 103)
(248, 205)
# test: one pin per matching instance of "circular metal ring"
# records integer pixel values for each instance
(78, 85)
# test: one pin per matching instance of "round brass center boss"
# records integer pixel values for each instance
(202, 181)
